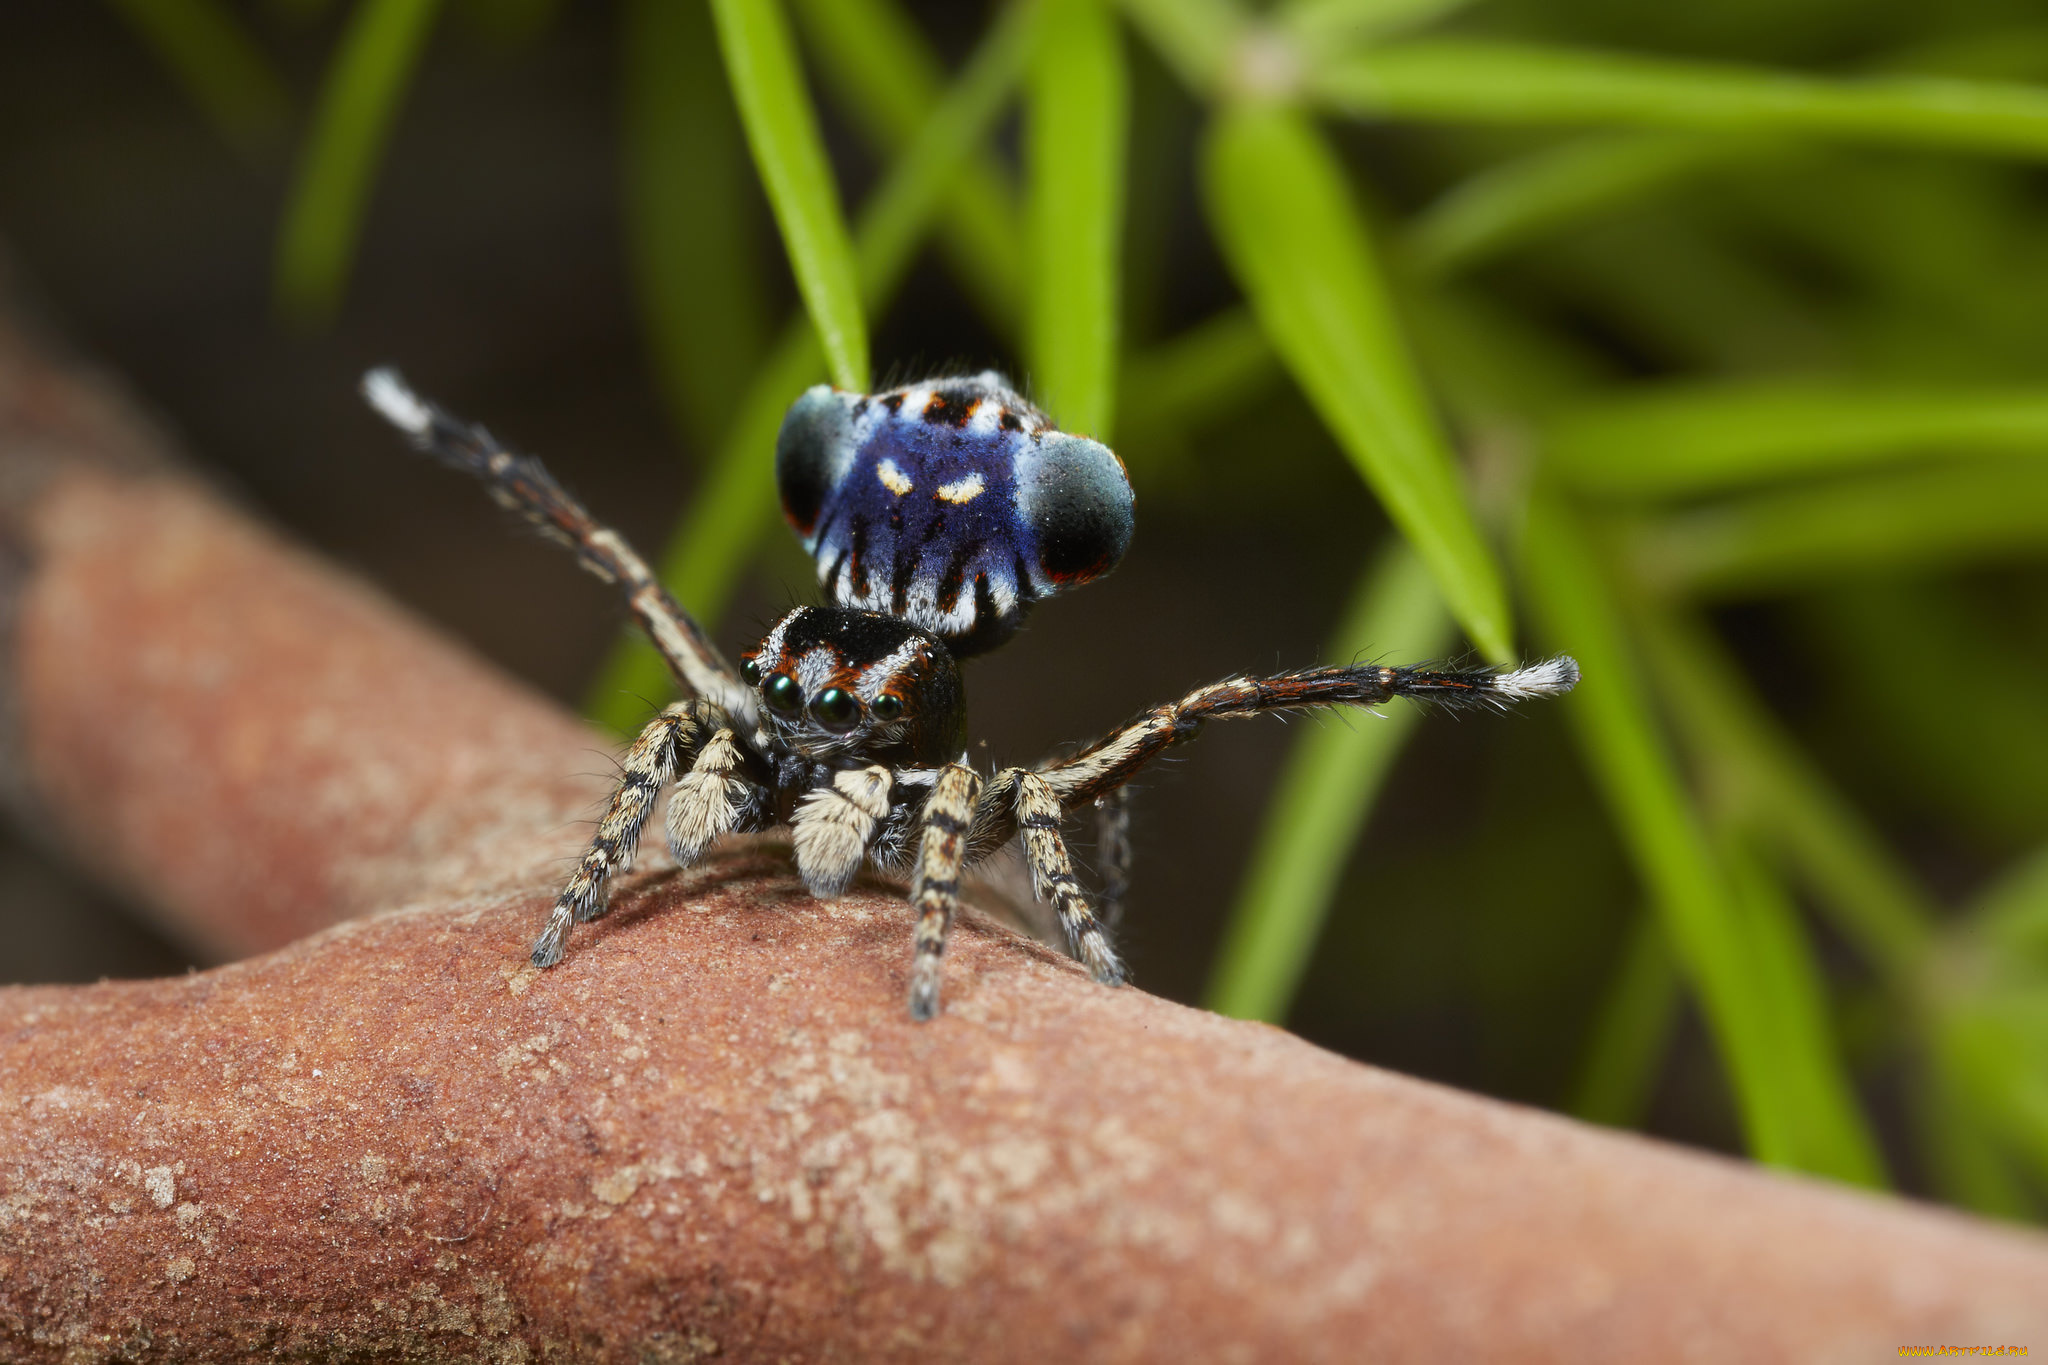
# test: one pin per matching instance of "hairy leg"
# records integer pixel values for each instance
(1038, 815)
(1113, 852)
(670, 740)
(935, 886)
(711, 799)
(522, 484)
(835, 826)
(1110, 762)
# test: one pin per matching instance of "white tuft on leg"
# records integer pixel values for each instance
(1547, 679)
(707, 801)
(834, 825)
(386, 391)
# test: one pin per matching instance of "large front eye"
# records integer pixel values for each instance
(783, 694)
(836, 709)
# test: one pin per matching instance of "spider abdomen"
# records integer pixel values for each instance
(952, 504)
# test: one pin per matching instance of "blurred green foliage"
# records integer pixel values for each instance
(1658, 312)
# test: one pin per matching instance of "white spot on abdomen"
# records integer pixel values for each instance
(894, 479)
(963, 490)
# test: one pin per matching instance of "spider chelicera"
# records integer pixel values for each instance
(937, 514)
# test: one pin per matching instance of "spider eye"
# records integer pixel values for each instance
(836, 709)
(750, 672)
(887, 707)
(784, 695)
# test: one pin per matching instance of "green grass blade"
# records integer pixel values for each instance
(1632, 1033)
(1317, 25)
(1076, 130)
(219, 64)
(739, 498)
(2011, 919)
(1984, 765)
(1312, 823)
(1966, 1162)
(1685, 440)
(1283, 214)
(1529, 197)
(2017, 52)
(1616, 726)
(1958, 514)
(735, 505)
(1219, 366)
(888, 79)
(690, 229)
(729, 513)
(1197, 39)
(1525, 84)
(923, 180)
(1208, 369)
(1495, 364)
(359, 101)
(1991, 1028)
(1682, 296)
(1834, 1138)
(1987, 1044)
(789, 153)
(1735, 933)
(878, 61)
(1873, 902)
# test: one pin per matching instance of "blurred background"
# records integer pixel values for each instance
(1708, 344)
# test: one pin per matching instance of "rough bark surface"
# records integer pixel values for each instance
(713, 1131)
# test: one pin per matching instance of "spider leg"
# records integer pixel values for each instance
(1038, 813)
(711, 799)
(835, 826)
(935, 887)
(1107, 764)
(1113, 851)
(649, 765)
(523, 485)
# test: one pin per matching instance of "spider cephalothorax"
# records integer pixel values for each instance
(835, 682)
(937, 514)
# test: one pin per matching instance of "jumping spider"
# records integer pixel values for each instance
(937, 515)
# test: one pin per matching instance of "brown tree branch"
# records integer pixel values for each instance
(249, 742)
(713, 1130)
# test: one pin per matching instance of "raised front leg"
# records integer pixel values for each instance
(523, 485)
(670, 740)
(935, 887)
(1116, 758)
